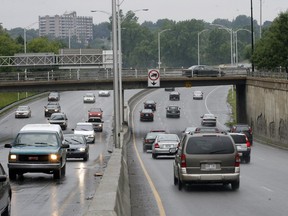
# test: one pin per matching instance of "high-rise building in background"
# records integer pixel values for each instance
(67, 25)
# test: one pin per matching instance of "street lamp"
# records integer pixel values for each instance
(252, 36)
(25, 37)
(260, 18)
(229, 30)
(236, 42)
(199, 44)
(69, 35)
(159, 47)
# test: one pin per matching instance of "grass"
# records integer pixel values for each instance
(231, 99)
(11, 97)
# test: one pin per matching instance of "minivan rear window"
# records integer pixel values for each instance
(210, 145)
(239, 138)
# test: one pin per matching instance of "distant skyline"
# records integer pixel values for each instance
(25, 13)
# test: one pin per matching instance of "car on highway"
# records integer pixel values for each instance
(37, 148)
(146, 115)
(54, 96)
(97, 123)
(208, 120)
(198, 95)
(165, 144)
(95, 112)
(169, 89)
(243, 128)
(51, 108)
(89, 97)
(86, 129)
(149, 139)
(174, 96)
(173, 111)
(243, 146)
(207, 158)
(23, 112)
(60, 119)
(150, 104)
(103, 93)
(78, 147)
(5, 193)
(202, 71)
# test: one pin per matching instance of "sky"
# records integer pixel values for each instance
(25, 13)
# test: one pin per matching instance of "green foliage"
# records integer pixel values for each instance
(43, 45)
(8, 45)
(272, 50)
(11, 97)
(231, 99)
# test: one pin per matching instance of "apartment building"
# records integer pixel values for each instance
(67, 25)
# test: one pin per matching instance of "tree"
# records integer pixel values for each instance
(272, 51)
(43, 45)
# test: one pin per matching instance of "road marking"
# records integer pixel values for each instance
(152, 186)
(267, 189)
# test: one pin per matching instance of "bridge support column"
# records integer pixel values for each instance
(241, 104)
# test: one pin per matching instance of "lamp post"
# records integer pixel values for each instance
(69, 35)
(252, 37)
(25, 37)
(260, 31)
(159, 47)
(199, 44)
(229, 30)
(236, 42)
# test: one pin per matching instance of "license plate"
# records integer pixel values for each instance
(241, 148)
(33, 158)
(209, 166)
(168, 146)
(172, 150)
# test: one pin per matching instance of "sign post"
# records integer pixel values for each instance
(153, 78)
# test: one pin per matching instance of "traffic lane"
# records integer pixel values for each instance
(256, 178)
(40, 193)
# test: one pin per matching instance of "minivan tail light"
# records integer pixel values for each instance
(183, 161)
(156, 145)
(237, 160)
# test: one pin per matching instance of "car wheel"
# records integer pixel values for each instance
(12, 175)
(63, 170)
(144, 148)
(7, 211)
(175, 179)
(154, 156)
(57, 174)
(235, 185)
(247, 159)
(180, 184)
(86, 158)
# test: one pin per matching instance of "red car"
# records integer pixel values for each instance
(95, 112)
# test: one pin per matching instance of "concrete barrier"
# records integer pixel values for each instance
(112, 196)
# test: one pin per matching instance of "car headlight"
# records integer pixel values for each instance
(56, 110)
(54, 157)
(12, 157)
(81, 149)
(46, 110)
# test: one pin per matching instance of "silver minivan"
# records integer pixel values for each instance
(207, 158)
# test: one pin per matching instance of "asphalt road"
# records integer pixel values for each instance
(39, 194)
(263, 190)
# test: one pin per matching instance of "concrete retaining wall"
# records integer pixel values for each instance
(267, 110)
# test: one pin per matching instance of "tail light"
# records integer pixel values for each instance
(237, 160)
(156, 145)
(248, 144)
(183, 161)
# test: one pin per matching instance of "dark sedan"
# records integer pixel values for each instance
(78, 147)
(51, 108)
(150, 104)
(146, 115)
(173, 111)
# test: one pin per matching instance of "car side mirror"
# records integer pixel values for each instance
(8, 146)
(65, 146)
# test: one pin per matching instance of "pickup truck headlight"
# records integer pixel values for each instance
(54, 157)
(12, 157)
(81, 149)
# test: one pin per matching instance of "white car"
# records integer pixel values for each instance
(86, 129)
(89, 98)
(23, 112)
(104, 94)
(209, 119)
(198, 95)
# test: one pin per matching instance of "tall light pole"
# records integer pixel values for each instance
(236, 42)
(159, 47)
(25, 36)
(252, 36)
(120, 59)
(260, 19)
(229, 30)
(199, 44)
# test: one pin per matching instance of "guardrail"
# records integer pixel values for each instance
(94, 74)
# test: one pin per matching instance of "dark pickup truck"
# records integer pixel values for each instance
(202, 71)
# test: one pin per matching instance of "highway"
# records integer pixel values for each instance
(40, 194)
(263, 182)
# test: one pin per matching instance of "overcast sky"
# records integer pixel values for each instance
(24, 13)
